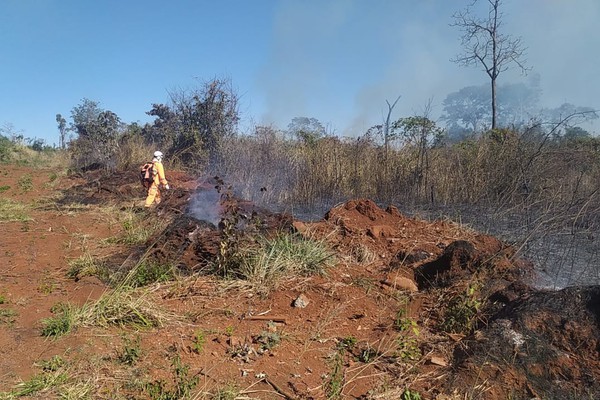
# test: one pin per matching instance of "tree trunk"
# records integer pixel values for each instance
(493, 103)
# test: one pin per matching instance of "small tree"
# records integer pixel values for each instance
(306, 130)
(419, 135)
(485, 45)
(98, 132)
(193, 125)
(62, 130)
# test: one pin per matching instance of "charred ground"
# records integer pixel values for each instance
(427, 306)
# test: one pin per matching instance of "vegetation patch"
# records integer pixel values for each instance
(180, 388)
(131, 352)
(7, 316)
(54, 374)
(62, 322)
(229, 392)
(266, 263)
(121, 307)
(11, 211)
(198, 341)
(334, 383)
(25, 183)
(87, 265)
(135, 228)
(462, 311)
(147, 273)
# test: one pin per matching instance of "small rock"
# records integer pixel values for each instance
(235, 341)
(400, 282)
(438, 361)
(301, 301)
(378, 231)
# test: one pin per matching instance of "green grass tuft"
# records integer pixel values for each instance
(61, 323)
(11, 211)
(286, 255)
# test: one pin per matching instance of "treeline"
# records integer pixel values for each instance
(409, 162)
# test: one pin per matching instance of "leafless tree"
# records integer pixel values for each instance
(484, 44)
(386, 127)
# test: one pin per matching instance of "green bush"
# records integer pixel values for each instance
(461, 314)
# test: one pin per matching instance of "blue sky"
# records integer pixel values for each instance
(334, 60)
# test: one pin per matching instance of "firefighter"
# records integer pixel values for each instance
(158, 172)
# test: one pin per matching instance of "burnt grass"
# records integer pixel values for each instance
(523, 343)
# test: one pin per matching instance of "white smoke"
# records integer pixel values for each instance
(205, 205)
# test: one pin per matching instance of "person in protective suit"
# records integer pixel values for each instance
(158, 179)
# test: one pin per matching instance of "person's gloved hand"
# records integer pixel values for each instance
(167, 187)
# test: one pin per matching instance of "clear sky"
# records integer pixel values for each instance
(334, 60)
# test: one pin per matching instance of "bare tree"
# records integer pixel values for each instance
(386, 127)
(485, 45)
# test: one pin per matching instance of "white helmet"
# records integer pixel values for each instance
(158, 154)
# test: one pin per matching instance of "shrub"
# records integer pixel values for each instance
(199, 341)
(460, 316)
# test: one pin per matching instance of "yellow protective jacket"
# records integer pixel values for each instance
(159, 173)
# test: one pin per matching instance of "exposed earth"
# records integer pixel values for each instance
(410, 307)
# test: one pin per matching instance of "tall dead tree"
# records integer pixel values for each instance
(386, 127)
(485, 45)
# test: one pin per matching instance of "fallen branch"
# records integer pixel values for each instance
(279, 390)
(283, 320)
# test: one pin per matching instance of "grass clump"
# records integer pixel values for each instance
(148, 272)
(40, 383)
(64, 320)
(145, 273)
(87, 265)
(11, 211)
(52, 376)
(54, 381)
(229, 392)
(122, 306)
(132, 351)
(265, 264)
(53, 364)
(25, 183)
(7, 316)
(135, 228)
